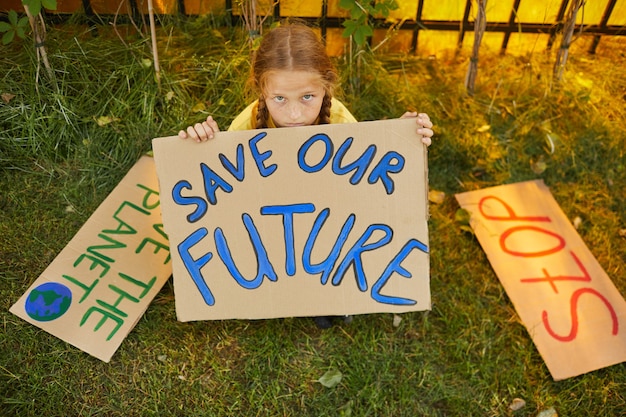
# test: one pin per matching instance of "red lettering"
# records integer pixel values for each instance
(551, 279)
(512, 230)
(509, 210)
(573, 312)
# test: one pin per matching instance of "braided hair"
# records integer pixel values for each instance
(292, 47)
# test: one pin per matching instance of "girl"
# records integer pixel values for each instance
(295, 80)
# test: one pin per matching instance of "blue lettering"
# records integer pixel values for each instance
(384, 167)
(194, 266)
(395, 266)
(328, 264)
(360, 165)
(353, 257)
(260, 158)
(237, 171)
(305, 148)
(264, 266)
(212, 182)
(287, 213)
(181, 200)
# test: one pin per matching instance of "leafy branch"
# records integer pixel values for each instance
(358, 26)
(16, 27)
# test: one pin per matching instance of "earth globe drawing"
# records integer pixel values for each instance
(48, 301)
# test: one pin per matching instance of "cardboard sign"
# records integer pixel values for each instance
(101, 283)
(573, 312)
(314, 220)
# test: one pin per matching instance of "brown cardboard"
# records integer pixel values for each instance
(571, 308)
(257, 194)
(111, 270)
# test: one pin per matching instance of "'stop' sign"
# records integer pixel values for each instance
(572, 310)
(315, 220)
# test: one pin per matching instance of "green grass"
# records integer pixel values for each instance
(470, 355)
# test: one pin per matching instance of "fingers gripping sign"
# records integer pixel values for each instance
(200, 132)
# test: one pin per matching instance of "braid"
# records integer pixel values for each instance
(261, 114)
(324, 117)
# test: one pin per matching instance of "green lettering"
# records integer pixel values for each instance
(150, 193)
(94, 263)
(81, 285)
(146, 287)
(123, 227)
(157, 247)
(105, 316)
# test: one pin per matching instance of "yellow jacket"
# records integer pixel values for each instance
(338, 114)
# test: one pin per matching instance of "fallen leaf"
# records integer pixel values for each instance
(7, 97)
(198, 108)
(346, 409)
(583, 81)
(483, 128)
(331, 378)
(539, 166)
(436, 197)
(517, 404)
(169, 95)
(549, 412)
(462, 216)
(622, 233)
(105, 120)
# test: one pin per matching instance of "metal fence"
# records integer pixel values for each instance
(505, 18)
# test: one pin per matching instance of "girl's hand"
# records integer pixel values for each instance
(424, 125)
(200, 132)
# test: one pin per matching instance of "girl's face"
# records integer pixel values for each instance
(294, 98)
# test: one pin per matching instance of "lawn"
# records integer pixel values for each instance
(66, 142)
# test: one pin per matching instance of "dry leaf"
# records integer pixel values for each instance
(105, 120)
(7, 97)
(198, 108)
(550, 412)
(583, 81)
(436, 197)
(483, 128)
(517, 404)
(539, 166)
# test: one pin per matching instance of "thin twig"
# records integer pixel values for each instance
(155, 52)
(479, 29)
(38, 27)
(562, 55)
